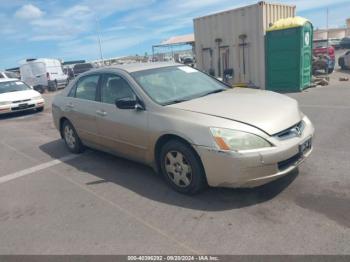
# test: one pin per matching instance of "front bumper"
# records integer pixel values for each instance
(22, 106)
(254, 168)
(60, 83)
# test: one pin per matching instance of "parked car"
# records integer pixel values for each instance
(17, 96)
(188, 61)
(43, 74)
(335, 43)
(344, 61)
(320, 49)
(69, 72)
(345, 43)
(8, 74)
(192, 128)
(81, 68)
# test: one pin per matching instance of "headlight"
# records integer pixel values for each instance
(234, 140)
(5, 103)
(37, 97)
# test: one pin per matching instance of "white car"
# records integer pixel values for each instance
(43, 73)
(344, 61)
(16, 96)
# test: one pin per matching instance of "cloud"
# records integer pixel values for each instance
(28, 12)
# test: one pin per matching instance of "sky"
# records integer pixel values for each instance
(68, 29)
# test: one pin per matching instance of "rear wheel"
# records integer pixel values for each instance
(53, 86)
(71, 138)
(182, 168)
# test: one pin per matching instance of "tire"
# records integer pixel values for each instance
(40, 109)
(71, 138)
(175, 159)
(53, 87)
(40, 89)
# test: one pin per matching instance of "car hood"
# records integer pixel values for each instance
(19, 95)
(268, 111)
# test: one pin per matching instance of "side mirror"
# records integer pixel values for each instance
(128, 103)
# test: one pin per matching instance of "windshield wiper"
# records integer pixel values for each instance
(214, 92)
(176, 101)
(184, 100)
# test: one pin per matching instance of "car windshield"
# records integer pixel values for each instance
(13, 86)
(176, 84)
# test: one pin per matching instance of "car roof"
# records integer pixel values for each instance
(9, 80)
(135, 67)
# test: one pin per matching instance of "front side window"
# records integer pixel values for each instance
(115, 88)
(86, 87)
(176, 83)
(10, 74)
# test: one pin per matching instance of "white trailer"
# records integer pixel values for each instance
(235, 39)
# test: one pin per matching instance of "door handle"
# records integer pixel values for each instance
(70, 105)
(101, 113)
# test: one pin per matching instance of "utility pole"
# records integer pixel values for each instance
(99, 40)
(327, 28)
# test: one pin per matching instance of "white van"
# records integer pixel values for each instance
(43, 73)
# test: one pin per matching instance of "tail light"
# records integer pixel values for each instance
(48, 75)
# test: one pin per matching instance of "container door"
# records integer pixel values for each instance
(306, 59)
(207, 61)
(225, 59)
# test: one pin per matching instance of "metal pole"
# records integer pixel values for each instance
(327, 26)
(99, 40)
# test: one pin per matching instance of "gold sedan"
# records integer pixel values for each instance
(193, 129)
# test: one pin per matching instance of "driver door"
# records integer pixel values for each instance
(123, 131)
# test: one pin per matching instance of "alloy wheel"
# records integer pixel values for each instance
(178, 169)
(69, 136)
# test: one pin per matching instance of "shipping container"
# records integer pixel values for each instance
(235, 39)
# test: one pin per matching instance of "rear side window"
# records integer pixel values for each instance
(86, 87)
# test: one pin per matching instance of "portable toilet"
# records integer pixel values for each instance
(289, 55)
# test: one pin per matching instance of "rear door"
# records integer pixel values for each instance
(123, 131)
(81, 106)
(34, 74)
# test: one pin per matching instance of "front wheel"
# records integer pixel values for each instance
(71, 138)
(182, 168)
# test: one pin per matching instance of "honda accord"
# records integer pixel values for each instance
(190, 127)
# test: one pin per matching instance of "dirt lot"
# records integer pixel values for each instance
(54, 203)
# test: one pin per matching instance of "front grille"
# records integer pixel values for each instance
(20, 101)
(294, 131)
(22, 107)
(283, 165)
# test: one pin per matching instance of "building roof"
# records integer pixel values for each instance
(181, 39)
